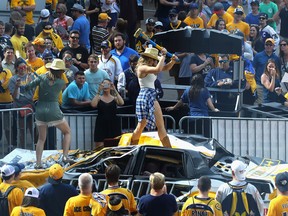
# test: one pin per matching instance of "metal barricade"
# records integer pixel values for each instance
(258, 137)
(82, 128)
(15, 124)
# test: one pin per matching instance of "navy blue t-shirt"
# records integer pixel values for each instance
(198, 107)
(164, 205)
(54, 197)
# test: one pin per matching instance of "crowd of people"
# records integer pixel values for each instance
(81, 55)
(95, 41)
(55, 198)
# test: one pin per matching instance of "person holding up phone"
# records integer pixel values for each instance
(107, 111)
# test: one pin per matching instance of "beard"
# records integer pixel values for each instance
(120, 47)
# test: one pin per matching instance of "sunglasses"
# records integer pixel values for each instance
(76, 38)
(262, 18)
(223, 61)
(48, 59)
(68, 59)
(283, 44)
(48, 28)
(269, 44)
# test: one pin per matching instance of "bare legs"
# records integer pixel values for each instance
(65, 129)
(160, 127)
(42, 129)
(137, 132)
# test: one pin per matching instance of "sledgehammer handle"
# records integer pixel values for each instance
(139, 34)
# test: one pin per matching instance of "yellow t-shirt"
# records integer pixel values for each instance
(194, 23)
(98, 204)
(129, 200)
(29, 15)
(29, 210)
(226, 17)
(212, 203)
(58, 43)
(15, 197)
(22, 184)
(43, 70)
(19, 44)
(78, 206)
(53, 2)
(278, 206)
(35, 65)
(231, 10)
(242, 26)
(5, 78)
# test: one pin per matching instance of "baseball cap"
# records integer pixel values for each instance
(103, 16)
(105, 44)
(239, 11)
(18, 167)
(158, 24)
(32, 192)
(56, 172)
(265, 15)
(150, 21)
(7, 170)
(281, 181)
(44, 14)
(256, 2)
(77, 7)
(193, 6)
(218, 6)
(271, 40)
(173, 11)
(239, 169)
(39, 41)
(47, 54)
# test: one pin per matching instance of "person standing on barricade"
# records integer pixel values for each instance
(148, 110)
(48, 112)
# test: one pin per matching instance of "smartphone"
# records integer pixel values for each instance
(106, 85)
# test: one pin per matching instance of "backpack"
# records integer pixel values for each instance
(200, 208)
(4, 205)
(239, 202)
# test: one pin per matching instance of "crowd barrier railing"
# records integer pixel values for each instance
(17, 129)
(259, 137)
(82, 128)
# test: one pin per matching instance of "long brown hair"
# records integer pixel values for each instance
(277, 70)
(281, 53)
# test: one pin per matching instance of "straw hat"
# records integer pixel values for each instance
(151, 53)
(57, 64)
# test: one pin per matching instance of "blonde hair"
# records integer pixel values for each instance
(157, 181)
(143, 60)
